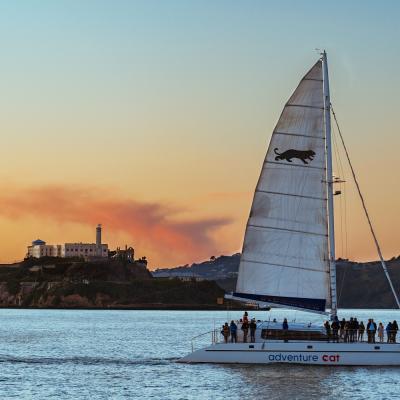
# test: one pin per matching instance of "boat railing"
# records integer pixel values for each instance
(214, 334)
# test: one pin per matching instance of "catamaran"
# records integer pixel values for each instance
(288, 256)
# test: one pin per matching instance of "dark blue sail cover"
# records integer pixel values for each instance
(307, 304)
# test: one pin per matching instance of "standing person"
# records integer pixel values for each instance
(253, 327)
(356, 326)
(381, 332)
(374, 331)
(351, 330)
(361, 330)
(233, 332)
(389, 332)
(342, 325)
(246, 317)
(395, 328)
(225, 332)
(328, 330)
(245, 329)
(285, 327)
(370, 329)
(346, 329)
(335, 329)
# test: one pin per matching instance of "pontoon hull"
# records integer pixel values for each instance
(310, 353)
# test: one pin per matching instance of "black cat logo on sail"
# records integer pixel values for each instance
(302, 155)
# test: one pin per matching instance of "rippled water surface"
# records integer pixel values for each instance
(59, 354)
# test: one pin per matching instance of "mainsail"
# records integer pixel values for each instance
(285, 258)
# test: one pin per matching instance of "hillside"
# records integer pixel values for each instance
(359, 285)
(222, 267)
(73, 283)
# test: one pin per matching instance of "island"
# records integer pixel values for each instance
(112, 283)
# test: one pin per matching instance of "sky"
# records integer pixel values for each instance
(153, 118)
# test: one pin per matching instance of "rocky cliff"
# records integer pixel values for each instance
(63, 283)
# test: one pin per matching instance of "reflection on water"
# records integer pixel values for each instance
(316, 382)
(284, 381)
(46, 354)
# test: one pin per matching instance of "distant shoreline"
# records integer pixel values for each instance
(140, 308)
(170, 308)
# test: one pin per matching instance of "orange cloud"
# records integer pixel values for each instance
(154, 224)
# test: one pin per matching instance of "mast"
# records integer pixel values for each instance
(329, 182)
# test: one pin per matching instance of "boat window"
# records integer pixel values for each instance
(280, 334)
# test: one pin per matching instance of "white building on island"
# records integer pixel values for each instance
(39, 248)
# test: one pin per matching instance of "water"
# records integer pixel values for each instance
(79, 354)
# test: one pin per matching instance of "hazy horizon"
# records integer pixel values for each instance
(153, 118)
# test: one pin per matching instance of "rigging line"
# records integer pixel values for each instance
(342, 199)
(336, 151)
(345, 220)
(344, 178)
(343, 181)
(343, 187)
(366, 212)
(341, 174)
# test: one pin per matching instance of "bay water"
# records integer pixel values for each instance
(108, 354)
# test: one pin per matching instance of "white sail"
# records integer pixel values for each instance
(285, 252)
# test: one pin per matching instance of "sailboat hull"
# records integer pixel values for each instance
(306, 353)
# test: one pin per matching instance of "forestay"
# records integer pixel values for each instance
(285, 252)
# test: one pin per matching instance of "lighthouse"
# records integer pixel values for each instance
(98, 239)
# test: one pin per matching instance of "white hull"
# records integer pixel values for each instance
(307, 353)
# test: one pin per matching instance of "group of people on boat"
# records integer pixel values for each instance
(246, 326)
(347, 331)
(352, 330)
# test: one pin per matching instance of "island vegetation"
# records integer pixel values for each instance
(51, 282)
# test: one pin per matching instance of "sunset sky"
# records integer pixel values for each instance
(153, 118)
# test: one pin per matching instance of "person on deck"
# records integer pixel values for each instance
(371, 330)
(356, 326)
(342, 324)
(335, 329)
(246, 317)
(233, 331)
(351, 330)
(285, 327)
(389, 332)
(361, 330)
(253, 327)
(346, 330)
(395, 328)
(328, 330)
(245, 329)
(374, 331)
(225, 332)
(381, 332)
